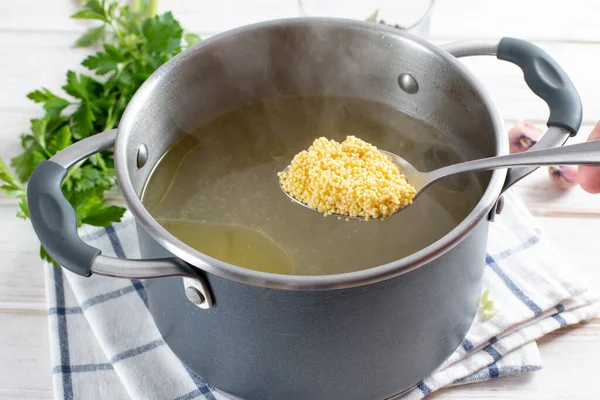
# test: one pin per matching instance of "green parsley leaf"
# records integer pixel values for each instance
(26, 162)
(23, 210)
(93, 9)
(52, 103)
(38, 127)
(61, 140)
(373, 16)
(91, 36)
(134, 43)
(191, 39)
(11, 191)
(12, 187)
(90, 207)
(88, 177)
(83, 87)
(102, 215)
(46, 257)
(83, 122)
(162, 33)
(106, 61)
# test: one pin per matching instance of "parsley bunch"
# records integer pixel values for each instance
(134, 42)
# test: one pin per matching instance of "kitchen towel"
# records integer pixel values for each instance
(105, 344)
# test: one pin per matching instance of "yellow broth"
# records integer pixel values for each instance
(217, 189)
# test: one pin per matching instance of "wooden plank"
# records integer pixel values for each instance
(39, 15)
(203, 16)
(25, 370)
(574, 21)
(26, 394)
(22, 278)
(579, 239)
(14, 122)
(29, 61)
(460, 19)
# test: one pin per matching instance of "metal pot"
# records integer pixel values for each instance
(371, 334)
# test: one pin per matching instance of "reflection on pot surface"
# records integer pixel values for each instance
(224, 174)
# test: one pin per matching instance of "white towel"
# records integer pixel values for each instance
(105, 344)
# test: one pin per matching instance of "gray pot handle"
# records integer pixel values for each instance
(545, 78)
(55, 223)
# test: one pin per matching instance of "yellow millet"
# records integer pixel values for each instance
(350, 178)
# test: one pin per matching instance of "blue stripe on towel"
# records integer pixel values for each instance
(467, 345)
(141, 291)
(65, 369)
(197, 393)
(561, 321)
(518, 369)
(106, 296)
(97, 234)
(202, 386)
(493, 368)
(424, 388)
(511, 285)
(115, 242)
(118, 248)
(492, 352)
(136, 286)
(529, 242)
(63, 333)
(191, 395)
(101, 298)
(137, 351)
(502, 371)
(64, 310)
(481, 375)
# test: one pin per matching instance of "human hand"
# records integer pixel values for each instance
(588, 176)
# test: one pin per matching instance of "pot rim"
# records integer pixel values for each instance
(301, 282)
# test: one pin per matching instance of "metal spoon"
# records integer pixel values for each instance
(576, 154)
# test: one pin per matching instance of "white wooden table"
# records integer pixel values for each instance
(35, 51)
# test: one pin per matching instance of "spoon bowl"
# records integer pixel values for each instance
(577, 154)
(413, 176)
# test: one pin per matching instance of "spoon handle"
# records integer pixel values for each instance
(578, 154)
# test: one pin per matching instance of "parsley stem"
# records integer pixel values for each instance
(153, 7)
(135, 5)
(122, 40)
(101, 163)
(73, 169)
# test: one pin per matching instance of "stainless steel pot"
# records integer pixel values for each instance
(371, 334)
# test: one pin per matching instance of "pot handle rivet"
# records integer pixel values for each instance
(408, 83)
(194, 295)
(142, 155)
(197, 293)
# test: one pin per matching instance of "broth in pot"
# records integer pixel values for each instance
(217, 189)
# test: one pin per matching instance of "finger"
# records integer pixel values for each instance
(588, 176)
